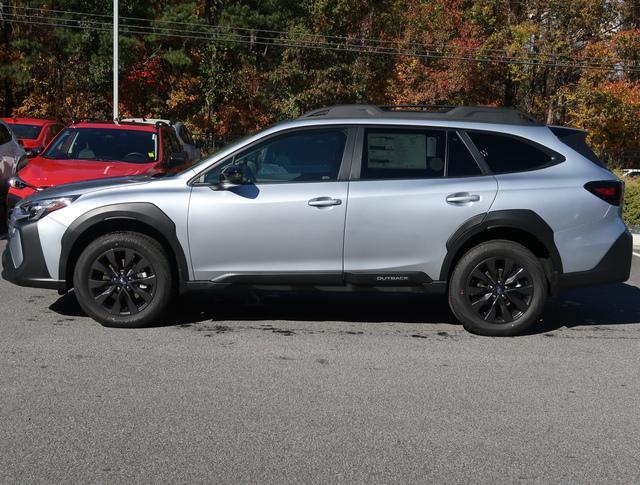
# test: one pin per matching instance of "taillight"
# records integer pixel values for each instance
(610, 191)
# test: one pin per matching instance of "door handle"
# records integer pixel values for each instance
(324, 202)
(462, 198)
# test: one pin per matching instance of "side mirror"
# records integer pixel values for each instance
(233, 176)
(178, 158)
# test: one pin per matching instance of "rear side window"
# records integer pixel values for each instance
(505, 154)
(460, 162)
(403, 154)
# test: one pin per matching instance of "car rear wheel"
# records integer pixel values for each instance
(498, 288)
(123, 279)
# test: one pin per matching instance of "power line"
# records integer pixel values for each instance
(279, 42)
(344, 39)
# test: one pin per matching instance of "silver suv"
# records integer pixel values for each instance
(483, 204)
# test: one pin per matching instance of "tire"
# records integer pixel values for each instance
(490, 299)
(133, 296)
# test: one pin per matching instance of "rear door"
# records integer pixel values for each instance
(411, 190)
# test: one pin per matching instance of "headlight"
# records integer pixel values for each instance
(17, 183)
(37, 209)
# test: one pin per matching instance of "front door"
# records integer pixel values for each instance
(287, 224)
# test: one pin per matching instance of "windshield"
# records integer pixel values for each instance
(104, 144)
(24, 131)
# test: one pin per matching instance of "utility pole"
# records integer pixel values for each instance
(115, 59)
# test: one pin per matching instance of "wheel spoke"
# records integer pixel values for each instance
(480, 302)
(512, 279)
(142, 293)
(139, 266)
(492, 273)
(117, 304)
(481, 276)
(504, 310)
(129, 257)
(477, 290)
(491, 314)
(111, 258)
(131, 305)
(95, 283)
(100, 299)
(506, 271)
(517, 302)
(526, 290)
(145, 280)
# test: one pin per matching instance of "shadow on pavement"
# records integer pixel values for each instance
(607, 305)
(599, 305)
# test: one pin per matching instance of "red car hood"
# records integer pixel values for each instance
(44, 172)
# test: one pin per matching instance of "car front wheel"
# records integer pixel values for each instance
(498, 288)
(123, 279)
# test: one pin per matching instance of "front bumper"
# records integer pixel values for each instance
(614, 267)
(23, 262)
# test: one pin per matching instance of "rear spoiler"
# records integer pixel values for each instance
(576, 139)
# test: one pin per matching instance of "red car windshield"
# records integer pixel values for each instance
(103, 144)
(25, 131)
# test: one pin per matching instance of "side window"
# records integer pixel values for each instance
(165, 134)
(5, 135)
(176, 146)
(303, 156)
(460, 162)
(505, 154)
(403, 154)
(186, 135)
(55, 129)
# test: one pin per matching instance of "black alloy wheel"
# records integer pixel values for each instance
(499, 290)
(122, 281)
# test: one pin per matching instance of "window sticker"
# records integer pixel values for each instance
(398, 150)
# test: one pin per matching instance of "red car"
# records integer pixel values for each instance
(90, 150)
(34, 134)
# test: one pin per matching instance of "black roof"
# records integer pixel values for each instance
(480, 114)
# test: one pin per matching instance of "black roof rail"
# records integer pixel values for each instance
(480, 114)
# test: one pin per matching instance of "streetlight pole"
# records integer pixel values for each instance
(115, 59)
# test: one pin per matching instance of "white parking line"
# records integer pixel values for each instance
(636, 254)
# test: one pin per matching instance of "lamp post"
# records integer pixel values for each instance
(115, 59)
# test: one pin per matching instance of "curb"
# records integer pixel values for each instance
(636, 242)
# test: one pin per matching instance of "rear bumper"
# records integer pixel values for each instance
(23, 262)
(614, 267)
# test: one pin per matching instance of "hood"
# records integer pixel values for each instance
(44, 172)
(81, 188)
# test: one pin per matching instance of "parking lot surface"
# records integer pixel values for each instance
(319, 388)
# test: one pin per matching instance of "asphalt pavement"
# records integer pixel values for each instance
(319, 388)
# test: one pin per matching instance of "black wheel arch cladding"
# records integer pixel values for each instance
(142, 212)
(523, 220)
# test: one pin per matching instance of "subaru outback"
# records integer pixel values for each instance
(482, 204)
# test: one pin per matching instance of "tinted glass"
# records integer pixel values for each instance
(403, 154)
(507, 154)
(5, 136)
(28, 132)
(176, 146)
(104, 145)
(186, 135)
(307, 156)
(460, 162)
